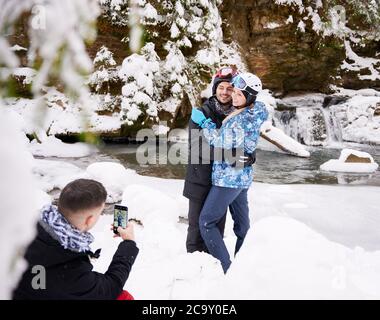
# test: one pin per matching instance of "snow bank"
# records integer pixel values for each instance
(113, 176)
(19, 201)
(332, 224)
(54, 174)
(342, 165)
(273, 265)
(53, 147)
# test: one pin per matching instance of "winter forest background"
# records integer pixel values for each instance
(95, 72)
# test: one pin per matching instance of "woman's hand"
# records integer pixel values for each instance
(198, 117)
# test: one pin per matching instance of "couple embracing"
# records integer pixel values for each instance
(229, 123)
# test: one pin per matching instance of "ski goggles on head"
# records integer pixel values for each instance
(226, 72)
(239, 83)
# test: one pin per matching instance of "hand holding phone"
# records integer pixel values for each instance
(120, 217)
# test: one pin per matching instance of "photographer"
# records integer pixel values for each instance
(62, 248)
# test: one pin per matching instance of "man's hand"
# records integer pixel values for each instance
(243, 161)
(248, 159)
(127, 233)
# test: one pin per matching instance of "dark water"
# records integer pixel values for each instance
(270, 167)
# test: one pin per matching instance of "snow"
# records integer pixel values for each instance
(27, 73)
(20, 200)
(301, 26)
(150, 12)
(340, 165)
(361, 63)
(278, 267)
(61, 116)
(113, 176)
(53, 147)
(331, 263)
(104, 56)
(278, 136)
(356, 117)
(208, 56)
(160, 129)
(55, 174)
(272, 25)
(17, 47)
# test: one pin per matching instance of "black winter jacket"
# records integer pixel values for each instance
(69, 274)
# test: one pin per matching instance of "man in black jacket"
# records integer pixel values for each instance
(58, 258)
(198, 174)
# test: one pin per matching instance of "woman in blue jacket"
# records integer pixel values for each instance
(241, 129)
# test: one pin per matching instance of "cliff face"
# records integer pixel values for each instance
(286, 49)
(294, 46)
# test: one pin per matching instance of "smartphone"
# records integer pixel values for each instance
(120, 217)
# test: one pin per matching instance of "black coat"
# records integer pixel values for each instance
(198, 176)
(69, 274)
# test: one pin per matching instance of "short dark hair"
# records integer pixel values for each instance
(81, 194)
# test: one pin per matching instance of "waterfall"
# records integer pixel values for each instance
(333, 128)
(309, 119)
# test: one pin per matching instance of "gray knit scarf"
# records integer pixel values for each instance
(67, 235)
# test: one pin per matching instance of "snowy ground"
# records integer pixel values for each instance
(306, 241)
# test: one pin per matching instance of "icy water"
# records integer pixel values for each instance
(270, 167)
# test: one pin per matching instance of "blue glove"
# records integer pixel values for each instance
(198, 117)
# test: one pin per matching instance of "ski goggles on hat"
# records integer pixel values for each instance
(226, 72)
(239, 83)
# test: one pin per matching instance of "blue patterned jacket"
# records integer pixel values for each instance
(242, 130)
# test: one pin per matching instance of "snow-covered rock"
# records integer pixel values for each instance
(113, 176)
(52, 175)
(53, 147)
(351, 161)
(285, 143)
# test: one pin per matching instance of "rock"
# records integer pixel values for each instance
(377, 110)
(351, 161)
(356, 159)
(286, 59)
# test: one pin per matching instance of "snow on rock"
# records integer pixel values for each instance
(357, 119)
(273, 265)
(360, 63)
(55, 174)
(152, 211)
(60, 116)
(53, 147)
(27, 73)
(351, 161)
(282, 141)
(113, 176)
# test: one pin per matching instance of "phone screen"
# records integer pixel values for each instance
(120, 217)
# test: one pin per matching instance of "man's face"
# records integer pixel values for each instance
(224, 92)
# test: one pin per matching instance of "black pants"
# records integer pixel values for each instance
(194, 240)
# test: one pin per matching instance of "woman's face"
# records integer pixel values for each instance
(238, 99)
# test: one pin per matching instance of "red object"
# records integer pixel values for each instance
(125, 295)
(227, 72)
